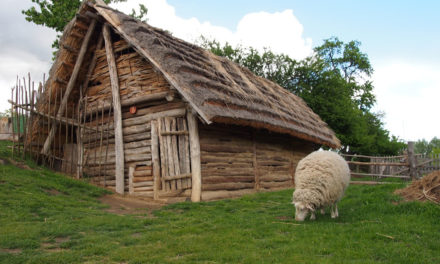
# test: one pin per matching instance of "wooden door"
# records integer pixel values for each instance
(175, 168)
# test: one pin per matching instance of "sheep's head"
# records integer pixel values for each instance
(302, 210)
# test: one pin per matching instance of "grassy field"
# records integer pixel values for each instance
(48, 218)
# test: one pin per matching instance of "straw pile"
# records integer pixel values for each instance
(425, 189)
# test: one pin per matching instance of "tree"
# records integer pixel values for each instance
(57, 13)
(334, 82)
(424, 147)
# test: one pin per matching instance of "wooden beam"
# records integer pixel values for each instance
(117, 112)
(155, 159)
(194, 144)
(70, 86)
(132, 101)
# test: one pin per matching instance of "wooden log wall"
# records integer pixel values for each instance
(237, 160)
(136, 78)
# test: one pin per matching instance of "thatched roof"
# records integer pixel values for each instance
(219, 90)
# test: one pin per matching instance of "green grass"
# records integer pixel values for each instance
(48, 218)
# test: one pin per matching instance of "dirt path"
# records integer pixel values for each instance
(124, 205)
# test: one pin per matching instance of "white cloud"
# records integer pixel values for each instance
(409, 95)
(24, 48)
(279, 31)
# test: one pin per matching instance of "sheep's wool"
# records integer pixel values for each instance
(321, 179)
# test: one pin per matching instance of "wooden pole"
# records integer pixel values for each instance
(155, 159)
(117, 112)
(12, 120)
(195, 157)
(412, 161)
(70, 85)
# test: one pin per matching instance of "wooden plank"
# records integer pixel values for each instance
(169, 153)
(155, 159)
(195, 157)
(117, 113)
(163, 159)
(174, 150)
(70, 85)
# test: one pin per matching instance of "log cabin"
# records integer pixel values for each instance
(133, 108)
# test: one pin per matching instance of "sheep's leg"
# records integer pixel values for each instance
(332, 211)
(336, 210)
(322, 211)
(313, 217)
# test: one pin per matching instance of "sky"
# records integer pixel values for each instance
(400, 38)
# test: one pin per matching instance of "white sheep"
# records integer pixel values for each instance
(320, 181)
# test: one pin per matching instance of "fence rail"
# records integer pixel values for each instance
(406, 167)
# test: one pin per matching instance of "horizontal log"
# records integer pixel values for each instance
(142, 173)
(142, 179)
(149, 109)
(271, 163)
(142, 184)
(127, 158)
(176, 177)
(221, 179)
(232, 159)
(224, 148)
(275, 178)
(147, 118)
(227, 186)
(130, 102)
(143, 167)
(227, 165)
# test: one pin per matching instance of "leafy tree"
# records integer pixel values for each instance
(56, 14)
(424, 147)
(334, 83)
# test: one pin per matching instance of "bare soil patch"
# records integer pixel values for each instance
(11, 250)
(52, 192)
(425, 189)
(124, 205)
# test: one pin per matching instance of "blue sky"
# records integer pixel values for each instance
(401, 39)
(387, 29)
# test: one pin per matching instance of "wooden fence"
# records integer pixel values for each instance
(409, 166)
(72, 125)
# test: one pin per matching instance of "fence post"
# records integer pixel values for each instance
(412, 161)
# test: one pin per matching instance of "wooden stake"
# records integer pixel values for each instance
(12, 119)
(195, 157)
(119, 144)
(70, 85)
